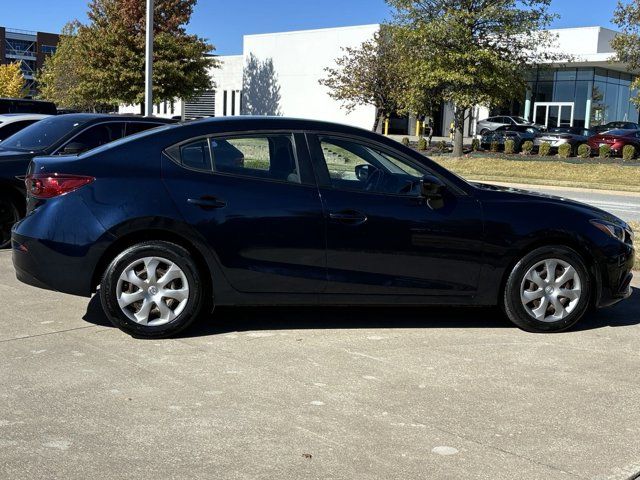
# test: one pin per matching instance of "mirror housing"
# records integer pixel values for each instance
(74, 148)
(431, 187)
(363, 172)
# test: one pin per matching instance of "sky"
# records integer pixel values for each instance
(224, 22)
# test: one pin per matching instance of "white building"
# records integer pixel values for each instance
(279, 73)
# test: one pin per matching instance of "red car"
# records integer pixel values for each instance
(616, 139)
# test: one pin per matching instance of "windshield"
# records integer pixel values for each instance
(520, 120)
(41, 135)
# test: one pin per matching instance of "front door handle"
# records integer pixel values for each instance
(348, 217)
(207, 203)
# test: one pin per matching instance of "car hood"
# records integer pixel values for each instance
(528, 196)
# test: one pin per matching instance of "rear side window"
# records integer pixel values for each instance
(196, 155)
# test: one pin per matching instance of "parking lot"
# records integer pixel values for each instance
(315, 393)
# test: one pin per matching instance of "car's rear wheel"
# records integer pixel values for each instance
(9, 215)
(152, 290)
(548, 290)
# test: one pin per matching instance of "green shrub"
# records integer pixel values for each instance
(422, 144)
(565, 150)
(584, 151)
(605, 151)
(545, 149)
(405, 141)
(441, 147)
(510, 147)
(527, 147)
(628, 153)
(475, 144)
(495, 146)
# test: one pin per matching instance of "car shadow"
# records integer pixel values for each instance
(242, 319)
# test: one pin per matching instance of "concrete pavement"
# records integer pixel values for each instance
(314, 393)
(625, 205)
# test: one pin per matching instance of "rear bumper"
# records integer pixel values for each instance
(61, 267)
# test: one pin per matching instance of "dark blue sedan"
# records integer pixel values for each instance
(275, 211)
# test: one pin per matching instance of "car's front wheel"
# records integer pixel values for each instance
(152, 290)
(548, 290)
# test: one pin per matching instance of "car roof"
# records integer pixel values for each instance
(16, 117)
(97, 117)
(275, 122)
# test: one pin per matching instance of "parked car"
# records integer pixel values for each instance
(11, 123)
(617, 140)
(616, 126)
(518, 133)
(555, 137)
(276, 211)
(493, 123)
(59, 135)
(24, 105)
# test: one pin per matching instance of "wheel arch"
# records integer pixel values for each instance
(560, 240)
(16, 195)
(129, 239)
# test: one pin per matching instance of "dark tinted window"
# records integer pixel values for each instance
(99, 135)
(26, 106)
(43, 134)
(196, 155)
(10, 128)
(137, 127)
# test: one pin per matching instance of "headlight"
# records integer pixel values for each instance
(611, 229)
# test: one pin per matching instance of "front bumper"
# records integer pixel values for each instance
(615, 277)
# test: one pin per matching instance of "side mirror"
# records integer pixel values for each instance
(363, 172)
(74, 148)
(431, 187)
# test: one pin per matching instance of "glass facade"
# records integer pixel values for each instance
(598, 95)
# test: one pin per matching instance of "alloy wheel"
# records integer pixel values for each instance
(551, 290)
(152, 291)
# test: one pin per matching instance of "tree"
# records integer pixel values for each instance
(366, 75)
(12, 82)
(61, 80)
(472, 52)
(260, 88)
(627, 43)
(111, 47)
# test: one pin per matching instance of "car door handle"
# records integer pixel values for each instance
(349, 217)
(207, 203)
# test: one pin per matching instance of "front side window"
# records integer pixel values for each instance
(97, 136)
(269, 156)
(355, 166)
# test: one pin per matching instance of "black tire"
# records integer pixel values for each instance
(517, 312)
(9, 215)
(171, 252)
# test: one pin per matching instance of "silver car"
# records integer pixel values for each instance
(555, 137)
(492, 123)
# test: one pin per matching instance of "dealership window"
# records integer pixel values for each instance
(224, 103)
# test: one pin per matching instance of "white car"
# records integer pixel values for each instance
(11, 123)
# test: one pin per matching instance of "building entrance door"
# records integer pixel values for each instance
(553, 114)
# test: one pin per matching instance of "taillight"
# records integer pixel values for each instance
(44, 185)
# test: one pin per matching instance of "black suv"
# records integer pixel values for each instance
(59, 135)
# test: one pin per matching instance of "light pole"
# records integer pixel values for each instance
(148, 86)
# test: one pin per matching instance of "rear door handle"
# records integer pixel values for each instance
(348, 217)
(207, 203)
